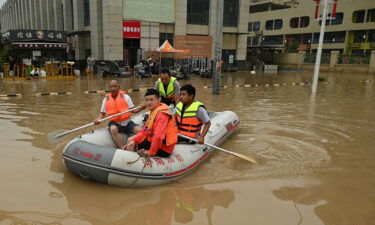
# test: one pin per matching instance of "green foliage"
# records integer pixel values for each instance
(5, 54)
(353, 59)
(292, 48)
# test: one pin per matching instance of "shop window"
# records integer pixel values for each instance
(305, 21)
(306, 39)
(359, 16)
(198, 12)
(273, 40)
(370, 15)
(253, 26)
(250, 27)
(255, 41)
(86, 12)
(165, 36)
(334, 37)
(269, 25)
(256, 26)
(248, 41)
(371, 36)
(230, 17)
(338, 20)
(359, 36)
(294, 22)
(131, 43)
(274, 24)
(278, 24)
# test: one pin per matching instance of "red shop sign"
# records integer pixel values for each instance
(131, 29)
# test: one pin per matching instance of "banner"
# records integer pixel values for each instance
(199, 46)
(161, 11)
(131, 29)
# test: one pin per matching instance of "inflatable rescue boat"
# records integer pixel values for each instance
(94, 156)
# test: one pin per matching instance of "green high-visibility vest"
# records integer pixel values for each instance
(170, 88)
(191, 111)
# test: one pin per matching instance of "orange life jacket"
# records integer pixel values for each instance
(171, 132)
(118, 105)
(188, 123)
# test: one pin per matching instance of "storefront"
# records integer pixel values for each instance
(36, 46)
(132, 43)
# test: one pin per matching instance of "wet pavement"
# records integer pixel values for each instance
(317, 156)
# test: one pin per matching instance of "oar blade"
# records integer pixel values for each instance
(246, 157)
(55, 136)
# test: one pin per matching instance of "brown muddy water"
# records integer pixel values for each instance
(318, 156)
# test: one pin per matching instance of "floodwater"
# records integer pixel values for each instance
(317, 156)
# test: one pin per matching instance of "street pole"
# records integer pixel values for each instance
(218, 48)
(320, 46)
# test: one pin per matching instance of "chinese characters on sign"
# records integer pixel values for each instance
(131, 29)
(199, 46)
(34, 35)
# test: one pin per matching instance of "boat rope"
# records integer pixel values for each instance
(147, 160)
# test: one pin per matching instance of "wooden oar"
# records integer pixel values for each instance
(53, 137)
(245, 157)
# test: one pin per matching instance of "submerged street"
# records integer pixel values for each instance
(316, 155)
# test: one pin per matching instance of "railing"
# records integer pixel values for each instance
(311, 58)
(354, 59)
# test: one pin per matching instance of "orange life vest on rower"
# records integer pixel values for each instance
(171, 132)
(115, 106)
(188, 123)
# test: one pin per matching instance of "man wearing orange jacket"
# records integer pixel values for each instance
(159, 135)
(116, 102)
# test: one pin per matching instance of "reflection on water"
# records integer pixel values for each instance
(316, 152)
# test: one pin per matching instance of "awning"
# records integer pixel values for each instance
(167, 47)
(39, 45)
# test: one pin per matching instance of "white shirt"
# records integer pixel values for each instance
(127, 99)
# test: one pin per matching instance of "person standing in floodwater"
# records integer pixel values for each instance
(90, 66)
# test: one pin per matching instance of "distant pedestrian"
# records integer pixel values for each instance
(90, 66)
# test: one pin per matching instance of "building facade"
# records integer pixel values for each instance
(129, 30)
(280, 28)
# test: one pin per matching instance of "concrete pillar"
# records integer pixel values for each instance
(27, 13)
(300, 59)
(333, 60)
(50, 15)
(32, 15)
(96, 32)
(79, 43)
(372, 63)
(12, 16)
(243, 19)
(149, 36)
(19, 14)
(57, 9)
(38, 16)
(78, 15)
(181, 17)
(43, 13)
(23, 14)
(112, 30)
(68, 15)
(212, 24)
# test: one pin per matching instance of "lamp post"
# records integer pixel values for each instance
(320, 47)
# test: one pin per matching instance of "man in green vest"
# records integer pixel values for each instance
(168, 87)
(191, 116)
